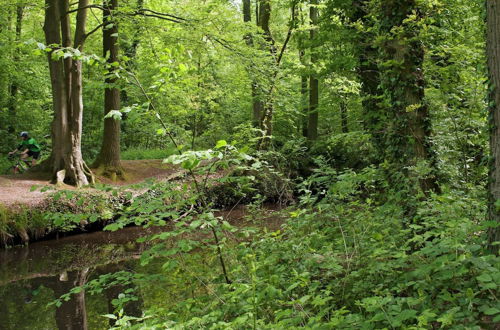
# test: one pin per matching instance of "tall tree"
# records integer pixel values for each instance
(312, 127)
(368, 72)
(14, 86)
(257, 104)
(407, 136)
(266, 120)
(66, 160)
(108, 161)
(493, 53)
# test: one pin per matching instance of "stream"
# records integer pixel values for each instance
(34, 276)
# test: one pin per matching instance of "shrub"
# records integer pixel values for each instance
(353, 150)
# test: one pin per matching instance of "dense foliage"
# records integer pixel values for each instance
(384, 200)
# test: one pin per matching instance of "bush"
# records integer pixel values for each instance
(348, 262)
(350, 150)
(5, 164)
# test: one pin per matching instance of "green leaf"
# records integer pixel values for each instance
(484, 278)
(115, 114)
(110, 316)
(220, 144)
(492, 311)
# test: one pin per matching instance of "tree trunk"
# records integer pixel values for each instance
(257, 104)
(407, 141)
(493, 53)
(343, 116)
(108, 160)
(66, 161)
(14, 87)
(130, 51)
(312, 127)
(304, 92)
(266, 116)
(369, 75)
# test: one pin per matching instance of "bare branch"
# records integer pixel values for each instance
(155, 16)
(288, 36)
(94, 30)
(84, 7)
(144, 10)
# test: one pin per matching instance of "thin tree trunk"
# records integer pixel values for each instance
(130, 52)
(343, 116)
(14, 87)
(493, 53)
(266, 117)
(304, 92)
(312, 127)
(257, 104)
(109, 158)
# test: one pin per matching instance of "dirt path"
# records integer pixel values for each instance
(16, 189)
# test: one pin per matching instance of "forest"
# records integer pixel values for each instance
(249, 164)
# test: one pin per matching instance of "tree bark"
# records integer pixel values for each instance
(266, 121)
(257, 104)
(108, 161)
(493, 53)
(407, 141)
(343, 116)
(14, 86)
(66, 161)
(369, 76)
(304, 97)
(312, 127)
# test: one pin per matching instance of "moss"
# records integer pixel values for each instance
(62, 212)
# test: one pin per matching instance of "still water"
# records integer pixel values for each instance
(33, 277)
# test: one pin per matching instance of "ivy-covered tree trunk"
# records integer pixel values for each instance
(493, 53)
(108, 161)
(66, 161)
(266, 119)
(407, 135)
(312, 127)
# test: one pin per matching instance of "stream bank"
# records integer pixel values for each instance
(34, 276)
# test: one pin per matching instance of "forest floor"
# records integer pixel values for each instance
(17, 189)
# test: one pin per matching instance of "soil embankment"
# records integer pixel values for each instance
(18, 189)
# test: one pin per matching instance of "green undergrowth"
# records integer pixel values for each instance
(347, 257)
(62, 211)
(148, 203)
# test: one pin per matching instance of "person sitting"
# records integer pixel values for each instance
(28, 148)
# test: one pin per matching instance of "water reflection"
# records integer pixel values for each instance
(34, 276)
